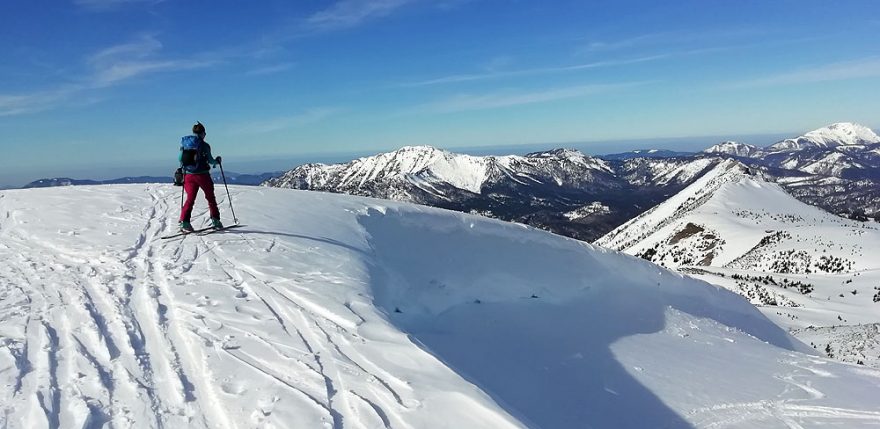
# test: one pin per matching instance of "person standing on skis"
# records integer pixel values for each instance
(196, 162)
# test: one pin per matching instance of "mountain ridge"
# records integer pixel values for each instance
(555, 189)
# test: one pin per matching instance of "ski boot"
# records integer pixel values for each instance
(186, 227)
(216, 224)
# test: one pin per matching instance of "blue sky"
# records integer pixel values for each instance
(98, 88)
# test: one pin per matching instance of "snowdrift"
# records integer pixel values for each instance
(344, 312)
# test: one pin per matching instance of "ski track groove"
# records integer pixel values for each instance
(330, 388)
(329, 371)
(786, 410)
(166, 354)
(176, 340)
(52, 404)
(376, 409)
(269, 373)
(339, 351)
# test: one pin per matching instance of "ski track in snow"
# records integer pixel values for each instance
(136, 331)
(113, 342)
(147, 370)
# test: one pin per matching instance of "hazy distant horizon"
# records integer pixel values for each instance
(267, 164)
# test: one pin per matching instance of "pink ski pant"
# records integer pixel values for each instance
(191, 184)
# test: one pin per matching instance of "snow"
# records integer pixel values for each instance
(831, 164)
(839, 134)
(463, 171)
(807, 270)
(741, 210)
(735, 149)
(588, 210)
(430, 169)
(637, 229)
(344, 312)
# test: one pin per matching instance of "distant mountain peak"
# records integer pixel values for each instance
(692, 197)
(419, 149)
(834, 135)
(734, 148)
(428, 169)
(560, 152)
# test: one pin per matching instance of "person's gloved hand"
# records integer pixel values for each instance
(219, 160)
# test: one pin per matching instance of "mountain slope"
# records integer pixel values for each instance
(735, 149)
(540, 189)
(337, 311)
(731, 218)
(834, 135)
(432, 170)
(812, 272)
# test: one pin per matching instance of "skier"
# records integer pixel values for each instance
(196, 162)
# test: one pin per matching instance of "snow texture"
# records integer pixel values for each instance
(839, 134)
(810, 271)
(332, 311)
(735, 149)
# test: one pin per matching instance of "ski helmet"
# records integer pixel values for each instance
(198, 128)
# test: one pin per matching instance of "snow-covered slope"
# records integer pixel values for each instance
(632, 235)
(731, 218)
(806, 268)
(331, 311)
(734, 149)
(844, 150)
(665, 172)
(429, 169)
(839, 134)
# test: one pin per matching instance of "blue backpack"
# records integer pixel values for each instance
(191, 149)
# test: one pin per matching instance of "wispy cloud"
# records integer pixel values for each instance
(109, 67)
(534, 71)
(466, 102)
(846, 70)
(35, 102)
(126, 61)
(612, 45)
(352, 13)
(142, 46)
(304, 118)
(674, 39)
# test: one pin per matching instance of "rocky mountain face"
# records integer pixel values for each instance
(734, 148)
(565, 191)
(835, 167)
(560, 190)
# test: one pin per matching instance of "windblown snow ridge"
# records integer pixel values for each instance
(344, 312)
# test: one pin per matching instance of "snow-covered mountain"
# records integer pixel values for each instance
(835, 167)
(344, 312)
(550, 189)
(645, 153)
(840, 150)
(412, 169)
(539, 189)
(832, 136)
(732, 217)
(664, 173)
(806, 268)
(734, 149)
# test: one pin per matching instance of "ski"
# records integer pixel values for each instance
(182, 233)
(213, 230)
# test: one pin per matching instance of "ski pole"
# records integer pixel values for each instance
(228, 197)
